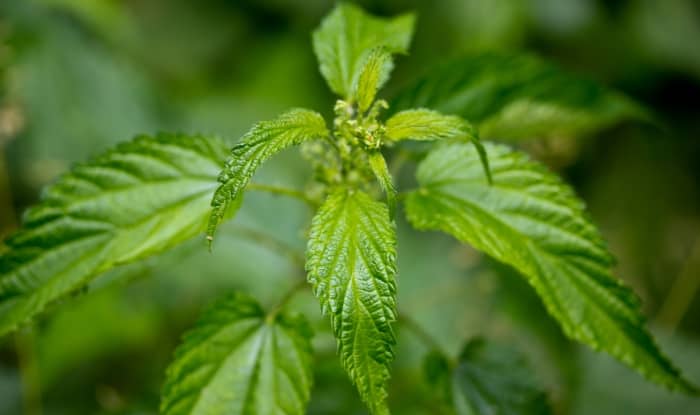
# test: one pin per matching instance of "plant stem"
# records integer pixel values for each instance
(8, 219)
(426, 338)
(275, 310)
(25, 338)
(284, 191)
(682, 292)
(29, 371)
(272, 243)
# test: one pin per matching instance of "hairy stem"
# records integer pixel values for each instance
(284, 191)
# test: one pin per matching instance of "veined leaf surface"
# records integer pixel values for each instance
(373, 75)
(263, 141)
(348, 34)
(236, 361)
(532, 221)
(139, 199)
(351, 263)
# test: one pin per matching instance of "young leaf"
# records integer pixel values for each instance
(492, 378)
(375, 72)
(351, 263)
(428, 125)
(260, 143)
(532, 221)
(517, 96)
(378, 165)
(137, 200)
(237, 361)
(347, 35)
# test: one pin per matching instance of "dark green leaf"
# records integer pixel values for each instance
(516, 96)
(239, 361)
(532, 221)
(492, 378)
(351, 263)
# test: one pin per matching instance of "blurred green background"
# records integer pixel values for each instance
(80, 75)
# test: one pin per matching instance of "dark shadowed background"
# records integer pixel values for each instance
(80, 75)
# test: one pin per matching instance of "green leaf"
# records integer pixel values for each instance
(375, 72)
(427, 125)
(517, 96)
(345, 38)
(532, 221)
(492, 378)
(351, 263)
(139, 199)
(237, 361)
(378, 165)
(263, 141)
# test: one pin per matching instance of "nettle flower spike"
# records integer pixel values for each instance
(148, 195)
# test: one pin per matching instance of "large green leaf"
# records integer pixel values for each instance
(139, 199)
(347, 35)
(238, 361)
(516, 96)
(260, 143)
(351, 263)
(532, 221)
(493, 378)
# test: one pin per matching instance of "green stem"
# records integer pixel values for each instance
(24, 339)
(284, 191)
(682, 292)
(272, 243)
(29, 371)
(277, 308)
(426, 338)
(8, 219)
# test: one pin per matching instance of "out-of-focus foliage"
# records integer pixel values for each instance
(83, 75)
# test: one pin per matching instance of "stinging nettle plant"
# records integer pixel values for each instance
(147, 195)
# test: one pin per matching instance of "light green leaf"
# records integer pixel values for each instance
(428, 125)
(351, 263)
(517, 96)
(347, 35)
(263, 141)
(532, 221)
(137, 200)
(492, 378)
(378, 165)
(238, 361)
(375, 72)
